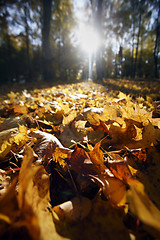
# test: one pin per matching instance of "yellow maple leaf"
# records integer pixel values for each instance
(5, 148)
(12, 95)
(59, 156)
(21, 137)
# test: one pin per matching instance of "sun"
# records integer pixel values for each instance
(88, 39)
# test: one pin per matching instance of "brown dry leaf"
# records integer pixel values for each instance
(105, 127)
(150, 135)
(115, 191)
(113, 188)
(67, 136)
(69, 118)
(46, 144)
(60, 154)
(120, 169)
(33, 196)
(4, 182)
(104, 221)
(21, 138)
(6, 141)
(120, 137)
(10, 137)
(138, 136)
(5, 148)
(25, 176)
(54, 117)
(92, 164)
(11, 122)
(12, 223)
(110, 113)
(88, 162)
(80, 124)
(93, 118)
(16, 220)
(135, 112)
(141, 115)
(81, 163)
(12, 95)
(20, 109)
(41, 205)
(139, 155)
(95, 136)
(9, 205)
(107, 222)
(148, 174)
(25, 193)
(97, 158)
(142, 207)
(74, 210)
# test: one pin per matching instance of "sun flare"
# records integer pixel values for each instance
(88, 39)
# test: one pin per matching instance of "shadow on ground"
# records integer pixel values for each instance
(136, 88)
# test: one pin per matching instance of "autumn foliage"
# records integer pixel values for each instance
(79, 162)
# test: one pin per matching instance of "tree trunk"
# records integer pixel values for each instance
(8, 71)
(99, 62)
(157, 39)
(46, 53)
(26, 13)
(132, 57)
(140, 74)
(137, 47)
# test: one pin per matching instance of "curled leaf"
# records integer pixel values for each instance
(141, 206)
(81, 163)
(74, 210)
(120, 169)
(113, 189)
(46, 144)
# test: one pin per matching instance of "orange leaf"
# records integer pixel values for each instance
(139, 154)
(81, 163)
(96, 156)
(113, 189)
(120, 169)
(20, 109)
(143, 208)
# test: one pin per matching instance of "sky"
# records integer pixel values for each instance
(79, 6)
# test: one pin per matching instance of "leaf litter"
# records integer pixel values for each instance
(78, 162)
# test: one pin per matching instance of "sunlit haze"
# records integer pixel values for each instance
(88, 39)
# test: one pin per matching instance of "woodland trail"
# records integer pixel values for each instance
(83, 156)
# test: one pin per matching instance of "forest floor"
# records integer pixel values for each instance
(80, 161)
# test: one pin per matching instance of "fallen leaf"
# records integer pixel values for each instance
(20, 109)
(6, 141)
(10, 123)
(113, 189)
(46, 144)
(120, 169)
(81, 163)
(97, 158)
(142, 207)
(74, 210)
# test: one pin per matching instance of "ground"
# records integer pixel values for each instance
(83, 156)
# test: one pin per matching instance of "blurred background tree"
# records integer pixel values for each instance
(39, 40)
